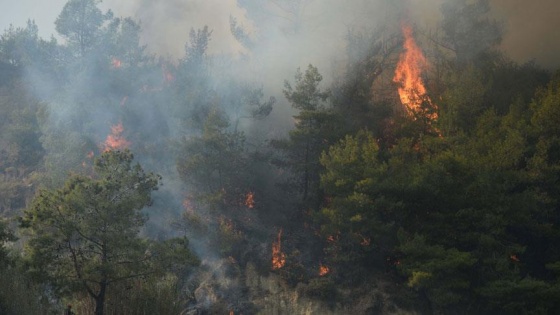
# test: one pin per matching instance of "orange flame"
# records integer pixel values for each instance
(188, 206)
(250, 200)
(366, 241)
(116, 141)
(115, 63)
(278, 258)
(167, 76)
(323, 270)
(412, 62)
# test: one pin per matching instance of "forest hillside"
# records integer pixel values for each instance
(399, 167)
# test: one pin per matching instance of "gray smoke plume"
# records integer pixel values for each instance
(531, 30)
(317, 26)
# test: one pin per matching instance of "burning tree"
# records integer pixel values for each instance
(278, 257)
(250, 200)
(323, 270)
(408, 76)
(116, 141)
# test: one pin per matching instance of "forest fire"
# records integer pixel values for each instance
(90, 155)
(366, 241)
(116, 63)
(188, 206)
(278, 257)
(167, 76)
(323, 270)
(116, 141)
(412, 62)
(250, 200)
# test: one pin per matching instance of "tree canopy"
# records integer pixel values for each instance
(84, 237)
(328, 185)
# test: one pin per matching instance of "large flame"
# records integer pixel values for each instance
(278, 257)
(412, 63)
(116, 141)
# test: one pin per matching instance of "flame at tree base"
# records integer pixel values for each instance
(278, 258)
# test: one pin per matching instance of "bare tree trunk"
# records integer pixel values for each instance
(100, 299)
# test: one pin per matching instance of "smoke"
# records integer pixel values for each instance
(286, 33)
(166, 23)
(531, 30)
(530, 26)
(281, 36)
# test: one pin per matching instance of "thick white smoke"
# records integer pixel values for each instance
(530, 25)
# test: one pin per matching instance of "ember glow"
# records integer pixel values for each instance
(323, 270)
(90, 156)
(412, 63)
(115, 63)
(366, 241)
(278, 257)
(250, 200)
(188, 206)
(167, 76)
(116, 141)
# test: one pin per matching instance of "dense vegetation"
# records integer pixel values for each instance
(460, 212)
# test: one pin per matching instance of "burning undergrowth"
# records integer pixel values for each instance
(208, 122)
(218, 287)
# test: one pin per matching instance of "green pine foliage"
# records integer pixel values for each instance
(83, 237)
(468, 213)
(457, 214)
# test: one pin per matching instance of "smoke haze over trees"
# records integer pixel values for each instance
(369, 156)
(528, 24)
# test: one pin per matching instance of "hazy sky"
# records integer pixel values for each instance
(532, 29)
(532, 25)
(17, 12)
